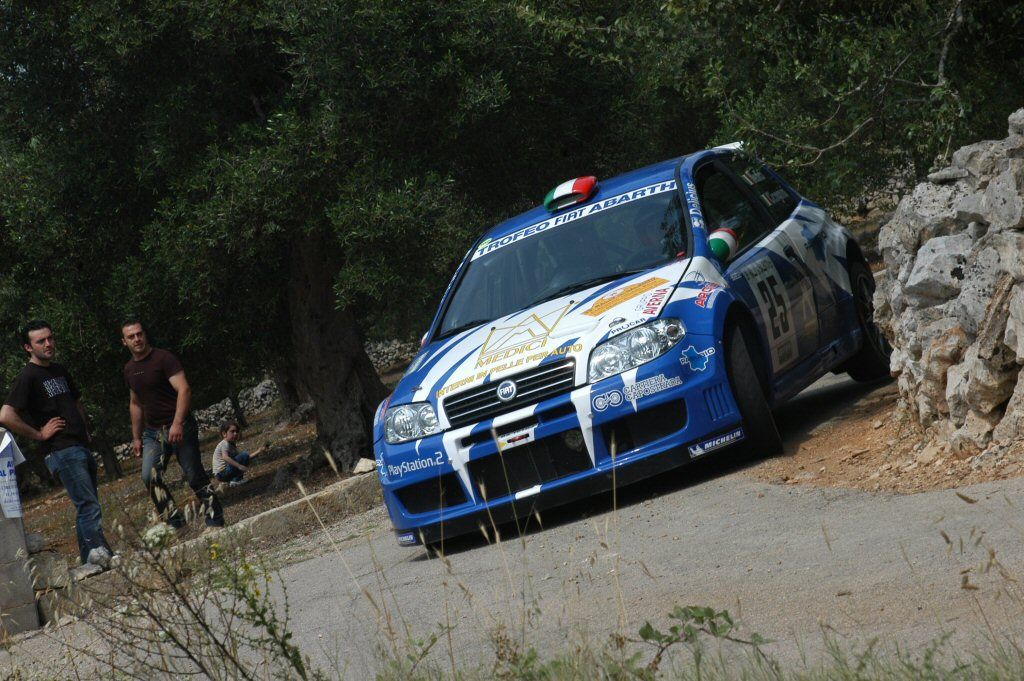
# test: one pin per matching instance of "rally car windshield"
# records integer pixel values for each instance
(561, 258)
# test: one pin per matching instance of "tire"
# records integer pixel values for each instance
(762, 436)
(872, 360)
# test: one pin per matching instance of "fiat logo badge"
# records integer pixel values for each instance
(507, 391)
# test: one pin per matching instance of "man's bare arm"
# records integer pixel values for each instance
(135, 409)
(180, 384)
(12, 421)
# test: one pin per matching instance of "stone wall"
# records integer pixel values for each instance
(952, 298)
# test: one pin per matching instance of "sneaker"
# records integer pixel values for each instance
(236, 483)
(100, 556)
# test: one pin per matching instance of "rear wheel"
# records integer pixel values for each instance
(872, 361)
(762, 435)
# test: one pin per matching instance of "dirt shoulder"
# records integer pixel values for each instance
(126, 502)
(861, 439)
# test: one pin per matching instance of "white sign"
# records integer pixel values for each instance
(10, 456)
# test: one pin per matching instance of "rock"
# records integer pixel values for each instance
(34, 542)
(364, 465)
(49, 570)
(947, 175)
(952, 302)
(84, 572)
(1017, 122)
(304, 413)
(938, 270)
(928, 454)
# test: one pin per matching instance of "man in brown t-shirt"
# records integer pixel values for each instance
(163, 425)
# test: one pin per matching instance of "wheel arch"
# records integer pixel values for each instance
(740, 315)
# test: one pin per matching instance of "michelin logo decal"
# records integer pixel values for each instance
(702, 448)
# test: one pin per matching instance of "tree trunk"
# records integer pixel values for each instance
(287, 390)
(329, 361)
(236, 407)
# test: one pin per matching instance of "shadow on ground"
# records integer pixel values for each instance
(827, 400)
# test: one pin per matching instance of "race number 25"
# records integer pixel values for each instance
(769, 290)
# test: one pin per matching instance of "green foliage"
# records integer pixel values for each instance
(165, 157)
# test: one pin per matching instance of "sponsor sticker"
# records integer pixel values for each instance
(632, 393)
(614, 298)
(529, 335)
(650, 386)
(717, 442)
(490, 245)
(693, 206)
(696, 360)
(707, 295)
(612, 398)
(398, 470)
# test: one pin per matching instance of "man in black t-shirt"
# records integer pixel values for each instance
(44, 405)
(163, 426)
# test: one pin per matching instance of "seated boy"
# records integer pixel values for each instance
(230, 465)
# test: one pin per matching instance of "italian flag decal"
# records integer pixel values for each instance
(723, 243)
(571, 192)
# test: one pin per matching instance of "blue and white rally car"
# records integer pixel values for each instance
(628, 325)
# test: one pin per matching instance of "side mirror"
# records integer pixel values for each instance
(723, 243)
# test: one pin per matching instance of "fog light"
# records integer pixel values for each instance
(573, 440)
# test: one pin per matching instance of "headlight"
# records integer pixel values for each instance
(410, 422)
(634, 347)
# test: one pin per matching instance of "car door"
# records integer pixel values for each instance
(762, 271)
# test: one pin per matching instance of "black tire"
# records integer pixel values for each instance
(872, 360)
(762, 436)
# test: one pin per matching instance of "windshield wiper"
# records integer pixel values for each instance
(581, 285)
(462, 327)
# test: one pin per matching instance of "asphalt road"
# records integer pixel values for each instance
(791, 562)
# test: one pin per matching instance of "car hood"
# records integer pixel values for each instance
(567, 327)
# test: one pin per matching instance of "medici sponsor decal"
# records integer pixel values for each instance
(717, 442)
(398, 470)
(529, 335)
(490, 245)
(619, 296)
(632, 393)
(696, 360)
(516, 345)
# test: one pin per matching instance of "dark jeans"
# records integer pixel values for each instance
(157, 453)
(230, 472)
(76, 469)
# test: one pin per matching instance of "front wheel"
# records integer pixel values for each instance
(872, 360)
(763, 437)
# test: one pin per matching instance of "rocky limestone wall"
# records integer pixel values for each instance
(952, 298)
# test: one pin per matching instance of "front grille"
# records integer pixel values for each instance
(476, 404)
(522, 467)
(443, 491)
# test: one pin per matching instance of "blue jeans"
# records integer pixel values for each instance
(230, 473)
(157, 453)
(76, 470)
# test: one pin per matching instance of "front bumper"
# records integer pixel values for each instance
(621, 429)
